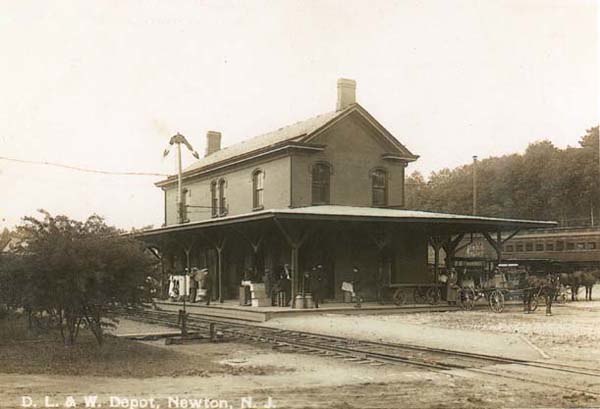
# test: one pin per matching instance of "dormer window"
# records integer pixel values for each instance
(321, 176)
(379, 188)
(258, 181)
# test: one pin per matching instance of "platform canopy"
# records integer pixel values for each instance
(435, 223)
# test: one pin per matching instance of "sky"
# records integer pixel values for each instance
(104, 84)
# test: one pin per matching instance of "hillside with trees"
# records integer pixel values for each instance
(544, 183)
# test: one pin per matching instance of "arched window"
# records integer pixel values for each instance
(321, 175)
(379, 187)
(214, 201)
(258, 181)
(222, 197)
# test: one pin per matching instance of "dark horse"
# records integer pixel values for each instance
(579, 279)
(537, 287)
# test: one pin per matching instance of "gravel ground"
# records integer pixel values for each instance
(306, 381)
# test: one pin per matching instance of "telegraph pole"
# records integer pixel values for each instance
(179, 186)
(179, 139)
(474, 185)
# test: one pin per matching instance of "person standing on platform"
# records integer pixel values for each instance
(452, 287)
(380, 284)
(356, 286)
(193, 284)
(286, 284)
(316, 284)
(268, 281)
(206, 284)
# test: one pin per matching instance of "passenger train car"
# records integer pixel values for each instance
(563, 249)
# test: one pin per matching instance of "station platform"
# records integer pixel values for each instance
(232, 310)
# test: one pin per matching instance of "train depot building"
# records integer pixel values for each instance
(327, 191)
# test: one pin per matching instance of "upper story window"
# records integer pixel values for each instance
(214, 201)
(218, 198)
(222, 197)
(379, 187)
(321, 177)
(539, 247)
(258, 182)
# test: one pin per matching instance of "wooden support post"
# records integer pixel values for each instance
(220, 246)
(498, 243)
(255, 239)
(295, 239)
(295, 267)
(436, 242)
(450, 245)
(218, 243)
(220, 272)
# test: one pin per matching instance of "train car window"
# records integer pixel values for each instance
(580, 246)
(539, 247)
(591, 246)
(519, 247)
(560, 245)
(509, 248)
(570, 246)
(528, 246)
(549, 246)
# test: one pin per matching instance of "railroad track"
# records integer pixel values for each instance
(368, 352)
(360, 351)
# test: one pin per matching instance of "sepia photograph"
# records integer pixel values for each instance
(261, 204)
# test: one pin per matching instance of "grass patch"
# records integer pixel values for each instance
(24, 352)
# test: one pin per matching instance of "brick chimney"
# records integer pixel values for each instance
(213, 142)
(346, 93)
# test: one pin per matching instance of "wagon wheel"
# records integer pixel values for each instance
(399, 297)
(420, 295)
(433, 295)
(466, 298)
(496, 299)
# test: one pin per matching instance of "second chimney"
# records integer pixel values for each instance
(346, 93)
(213, 142)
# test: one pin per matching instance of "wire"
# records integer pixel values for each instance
(104, 172)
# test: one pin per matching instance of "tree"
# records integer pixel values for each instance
(75, 272)
(544, 183)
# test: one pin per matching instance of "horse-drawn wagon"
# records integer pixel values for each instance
(505, 283)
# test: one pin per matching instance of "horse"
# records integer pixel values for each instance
(546, 287)
(579, 279)
(588, 280)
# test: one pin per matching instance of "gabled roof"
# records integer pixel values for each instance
(299, 132)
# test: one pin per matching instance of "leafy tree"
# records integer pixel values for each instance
(545, 183)
(76, 271)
